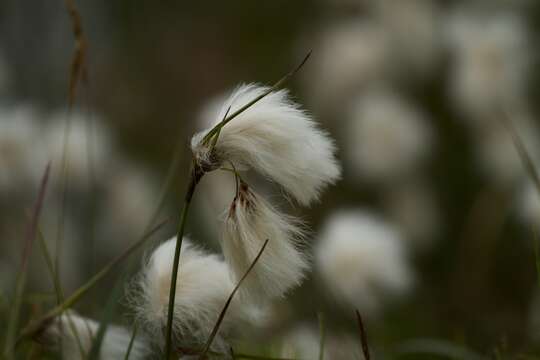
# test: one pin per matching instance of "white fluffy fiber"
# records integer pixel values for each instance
(386, 137)
(362, 260)
(65, 329)
(250, 222)
(278, 139)
(204, 285)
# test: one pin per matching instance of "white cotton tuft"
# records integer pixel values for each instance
(203, 287)
(22, 158)
(351, 56)
(490, 63)
(282, 265)
(362, 260)
(386, 137)
(413, 29)
(69, 328)
(89, 145)
(276, 138)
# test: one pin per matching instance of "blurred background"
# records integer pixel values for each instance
(411, 91)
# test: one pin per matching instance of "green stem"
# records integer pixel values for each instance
(196, 175)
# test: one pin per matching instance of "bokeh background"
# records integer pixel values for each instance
(411, 91)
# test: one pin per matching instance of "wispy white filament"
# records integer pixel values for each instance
(362, 260)
(204, 285)
(250, 222)
(276, 138)
(70, 328)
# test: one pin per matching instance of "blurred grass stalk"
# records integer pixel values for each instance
(530, 168)
(31, 229)
(37, 325)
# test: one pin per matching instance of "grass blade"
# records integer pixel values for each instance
(228, 302)
(21, 277)
(522, 150)
(39, 324)
(363, 335)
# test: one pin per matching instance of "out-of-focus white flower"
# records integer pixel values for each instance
(21, 157)
(131, 196)
(67, 329)
(89, 145)
(385, 137)
(204, 285)
(277, 139)
(413, 31)
(491, 61)
(412, 207)
(350, 57)
(282, 266)
(362, 259)
(301, 343)
(496, 153)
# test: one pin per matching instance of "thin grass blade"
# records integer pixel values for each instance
(21, 277)
(228, 302)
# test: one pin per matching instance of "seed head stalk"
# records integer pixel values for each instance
(197, 172)
(196, 176)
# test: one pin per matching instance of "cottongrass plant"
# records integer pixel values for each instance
(362, 260)
(387, 138)
(204, 286)
(258, 128)
(74, 335)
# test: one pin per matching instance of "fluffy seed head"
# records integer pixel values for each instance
(386, 137)
(350, 57)
(65, 330)
(204, 285)
(276, 138)
(491, 61)
(362, 259)
(250, 222)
